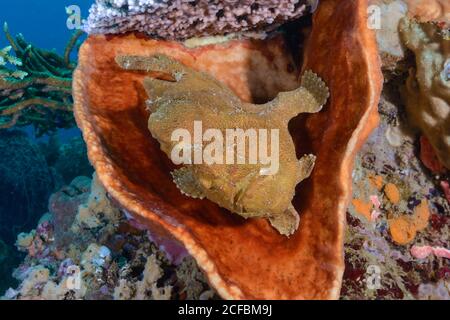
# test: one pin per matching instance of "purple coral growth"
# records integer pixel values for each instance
(182, 19)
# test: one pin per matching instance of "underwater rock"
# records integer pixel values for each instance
(181, 19)
(427, 92)
(242, 259)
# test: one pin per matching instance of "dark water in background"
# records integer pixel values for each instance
(43, 24)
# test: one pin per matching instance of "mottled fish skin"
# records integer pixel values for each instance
(241, 188)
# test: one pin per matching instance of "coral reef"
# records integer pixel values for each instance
(242, 187)
(398, 224)
(114, 259)
(5, 59)
(242, 259)
(427, 92)
(106, 257)
(182, 19)
(25, 184)
(35, 89)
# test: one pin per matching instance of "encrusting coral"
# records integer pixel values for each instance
(427, 92)
(182, 19)
(238, 185)
(35, 86)
(430, 10)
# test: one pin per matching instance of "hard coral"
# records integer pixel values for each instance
(182, 19)
(242, 259)
(430, 10)
(427, 93)
(370, 243)
(388, 38)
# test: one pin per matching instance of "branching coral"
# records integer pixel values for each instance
(25, 183)
(35, 86)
